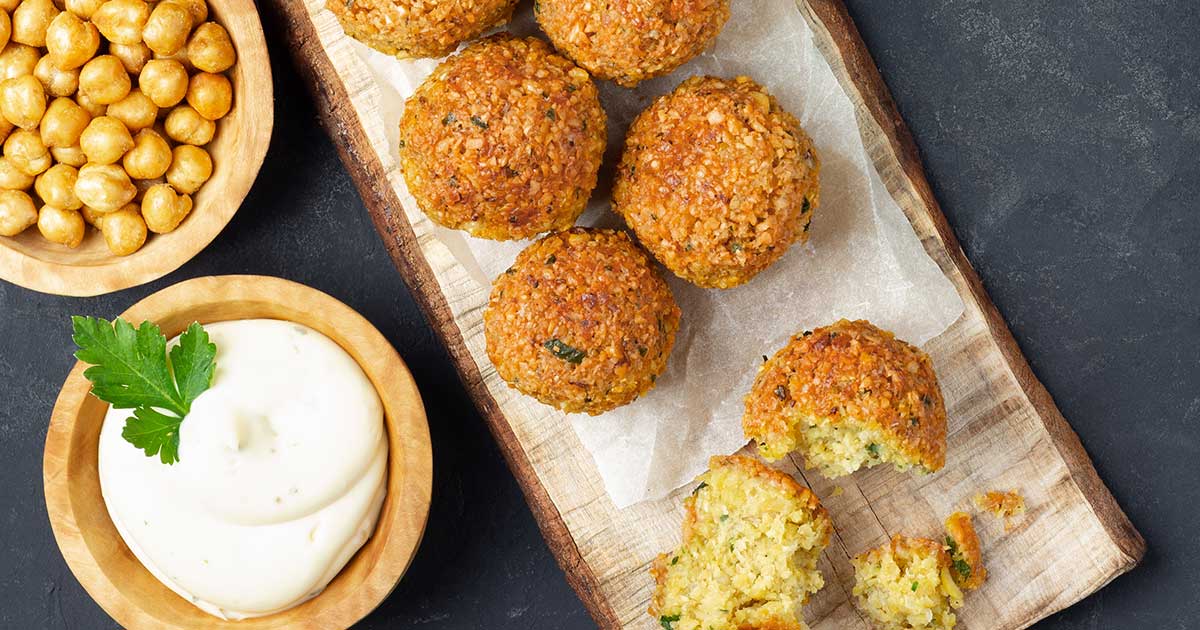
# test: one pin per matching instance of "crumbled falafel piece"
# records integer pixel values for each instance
(906, 584)
(846, 396)
(503, 140)
(966, 555)
(717, 181)
(1002, 504)
(581, 321)
(629, 41)
(752, 537)
(419, 28)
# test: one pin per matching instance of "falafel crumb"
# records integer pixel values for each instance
(966, 555)
(1002, 504)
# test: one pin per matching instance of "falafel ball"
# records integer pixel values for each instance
(503, 140)
(628, 41)
(846, 396)
(419, 28)
(581, 321)
(717, 181)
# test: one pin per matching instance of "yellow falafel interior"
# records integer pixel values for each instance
(751, 540)
(847, 396)
(907, 584)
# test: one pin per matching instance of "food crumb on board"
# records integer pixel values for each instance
(1002, 504)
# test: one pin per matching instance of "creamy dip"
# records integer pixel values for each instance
(281, 475)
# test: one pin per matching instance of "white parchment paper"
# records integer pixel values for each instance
(863, 259)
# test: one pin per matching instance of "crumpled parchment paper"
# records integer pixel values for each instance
(863, 259)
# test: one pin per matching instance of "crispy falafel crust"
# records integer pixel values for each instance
(966, 548)
(503, 140)
(717, 181)
(850, 369)
(418, 28)
(628, 41)
(581, 321)
(752, 471)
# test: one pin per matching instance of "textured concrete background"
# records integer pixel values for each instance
(1062, 140)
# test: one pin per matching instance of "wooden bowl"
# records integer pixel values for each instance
(99, 557)
(237, 151)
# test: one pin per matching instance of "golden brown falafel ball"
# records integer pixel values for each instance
(628, 41)
(419, 28)
(845, 396)
(717, 181)
(503, 140)
(581, 321)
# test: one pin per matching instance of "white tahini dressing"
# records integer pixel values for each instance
(281, 475)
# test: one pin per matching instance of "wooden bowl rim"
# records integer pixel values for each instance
(256, 114)
(405, 419)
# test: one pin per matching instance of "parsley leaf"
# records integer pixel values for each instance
(666, 621)
(564, 351)
(130, 369)
(963, 568)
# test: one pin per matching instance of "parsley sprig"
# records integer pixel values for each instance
(130, 369)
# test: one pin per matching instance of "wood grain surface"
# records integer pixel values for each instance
(1005, 431)
(106, 567)
(237, 150)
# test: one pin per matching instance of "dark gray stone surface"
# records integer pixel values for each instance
(1062, 140)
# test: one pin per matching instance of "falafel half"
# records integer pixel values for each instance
(846, 396)
(906, 584)
(628, 41)
(418, 28)
(581, 321)
(752, 537)
(503, 140)
(717, 181)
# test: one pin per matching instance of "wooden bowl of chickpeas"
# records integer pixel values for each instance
(131, 131)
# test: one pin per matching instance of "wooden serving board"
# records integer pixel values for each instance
(1005, 431)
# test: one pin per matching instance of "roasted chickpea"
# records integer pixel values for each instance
(137, 111)
(55, 80)
(26, 151)
(104, 187)
(57, 187)
(93, 217)
(12, 177)
(166, 31)
(89, 105)
(104, 79)
(132, 56)
(163, 210)
(143, 185)
(62, 226)
(5, 28)
(186, 125)
(30, 20)
(190, 167)
(64, 121)
(105, 140)
(197, 8)
(71, 156)
(149, 157)
(211, 49)
(164, 80)
(124, 230)
(71, 41)
(17, 212)
(5, 128)
(83, 8)
(9, 5)
(122, 21)
(210, 94)
(23, 101)
(18, 60)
